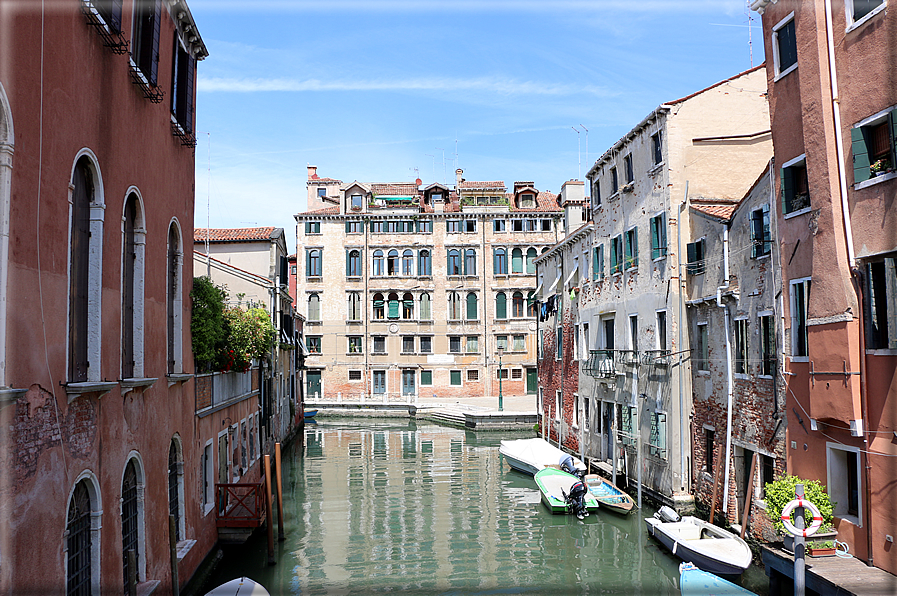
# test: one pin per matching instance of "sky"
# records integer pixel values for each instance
(394, 90)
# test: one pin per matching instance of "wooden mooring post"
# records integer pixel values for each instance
(268, 521)
(719, 455)
(132, 572)
(173, 549)
(280, 534)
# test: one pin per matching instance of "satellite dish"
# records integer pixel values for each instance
(418, 181)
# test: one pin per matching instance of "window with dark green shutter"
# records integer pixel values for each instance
(785, 46)
(760, 238)
(455, 377)
(874, 146)
(145, 41)
(630, 246)
(501, 306)
(393, 306)
(471, 307)
(658, 236)
(695, 254)
(795, 186)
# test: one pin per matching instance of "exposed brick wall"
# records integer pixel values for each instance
(559, 375)
(36, 428)
(204, 391)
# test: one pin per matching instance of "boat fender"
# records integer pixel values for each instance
(675, 546)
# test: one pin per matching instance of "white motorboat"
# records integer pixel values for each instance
(532, 455)
(696, 541)
(242, 586)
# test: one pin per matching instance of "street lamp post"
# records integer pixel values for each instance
(501, 350)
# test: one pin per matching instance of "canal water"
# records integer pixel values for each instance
(417, 508)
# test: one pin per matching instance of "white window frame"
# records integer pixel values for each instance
(791, 284)
(802, 158)
(836, 482)
(207, 471)
(848, 10)
(775, 47)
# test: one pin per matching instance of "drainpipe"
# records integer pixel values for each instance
(682, 416)
(729, 381)
(851, 257)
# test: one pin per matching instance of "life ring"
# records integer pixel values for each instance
(786, 518)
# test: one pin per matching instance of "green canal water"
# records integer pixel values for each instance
(416, 508)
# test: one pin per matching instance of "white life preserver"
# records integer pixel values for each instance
(786, 517)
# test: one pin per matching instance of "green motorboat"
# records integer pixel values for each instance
(554, 484)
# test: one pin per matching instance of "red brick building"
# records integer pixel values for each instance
(96, 191)
(833, 94)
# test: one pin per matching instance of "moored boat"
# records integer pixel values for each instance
(531, 455)
(241, 586)
(694, 582)
(555, 485)
(696, 541)
(309, 413)
(608, 495)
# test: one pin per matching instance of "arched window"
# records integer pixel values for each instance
(130, 526)
(378, 307)
(378, 262)
(175, 488)
(353, 263)
(408, 262)
(500, 261)
(314, 307)
(501, 306)
(426, 314)
(82, 541)
(454, 262)
(407, 306)
(424, 263)
(545, 249)
(532, 305)
(128, 290)
(7, 148)
(313, 263)
(392, 263)
(470, 262)
(530, 258)
(516, 261)
(354, 306)
(471, 306)
(454, 306)
(80, 282)
(393, 312)
(518, 304)
(175, 291)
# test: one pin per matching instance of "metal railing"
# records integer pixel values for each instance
(362, 397)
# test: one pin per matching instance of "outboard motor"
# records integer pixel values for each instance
(576, 500)
(566, 463)
(667, 514)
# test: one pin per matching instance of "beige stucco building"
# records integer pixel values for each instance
(411, 290)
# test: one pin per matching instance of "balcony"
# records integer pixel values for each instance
(217, 390)
(600, 365)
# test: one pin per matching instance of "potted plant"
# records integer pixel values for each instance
(880, 167)
(780, 492)
(821, 548)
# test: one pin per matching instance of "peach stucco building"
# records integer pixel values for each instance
(833, 104)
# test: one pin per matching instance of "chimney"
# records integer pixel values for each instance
(572, 199)
(458, 179)
(312, 172)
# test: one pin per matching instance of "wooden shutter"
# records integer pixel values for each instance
(115, 15)
(501, 306)
(787, 180)
(348, 263)
(153, 75)
(79, 274)
(393, 308)
(892, 125)
(691, 257)
(129, 257)
(188, 93)
(891, 306)
(860, 155)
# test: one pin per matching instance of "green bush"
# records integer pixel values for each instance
(207, 323)
(780, 492)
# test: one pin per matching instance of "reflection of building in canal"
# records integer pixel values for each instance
(403, 532)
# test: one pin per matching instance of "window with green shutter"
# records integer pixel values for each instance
(393, 306)
(455, 377)
(658, 236)
(630, 246)
(501, 306)
(471, 307)
(695, 254)
(874, 146)
(795, 186)
(616, 254)
(426, 377)
(760, 237)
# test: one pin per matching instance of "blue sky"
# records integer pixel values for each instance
(392, 90)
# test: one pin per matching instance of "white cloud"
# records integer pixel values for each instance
(489, 85)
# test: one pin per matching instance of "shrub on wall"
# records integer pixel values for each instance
(780, 492)
(207, 323)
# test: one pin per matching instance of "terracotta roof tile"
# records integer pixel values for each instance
(721, 211)
(473, 185)
(396, 189)
(233, 234)
(324, 211)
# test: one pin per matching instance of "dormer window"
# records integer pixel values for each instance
(527, 201)
(437, 197)
(322, 192)
(355, 202)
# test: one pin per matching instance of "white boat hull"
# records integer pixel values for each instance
(708, 546)
(241, 586)
(532, 455)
